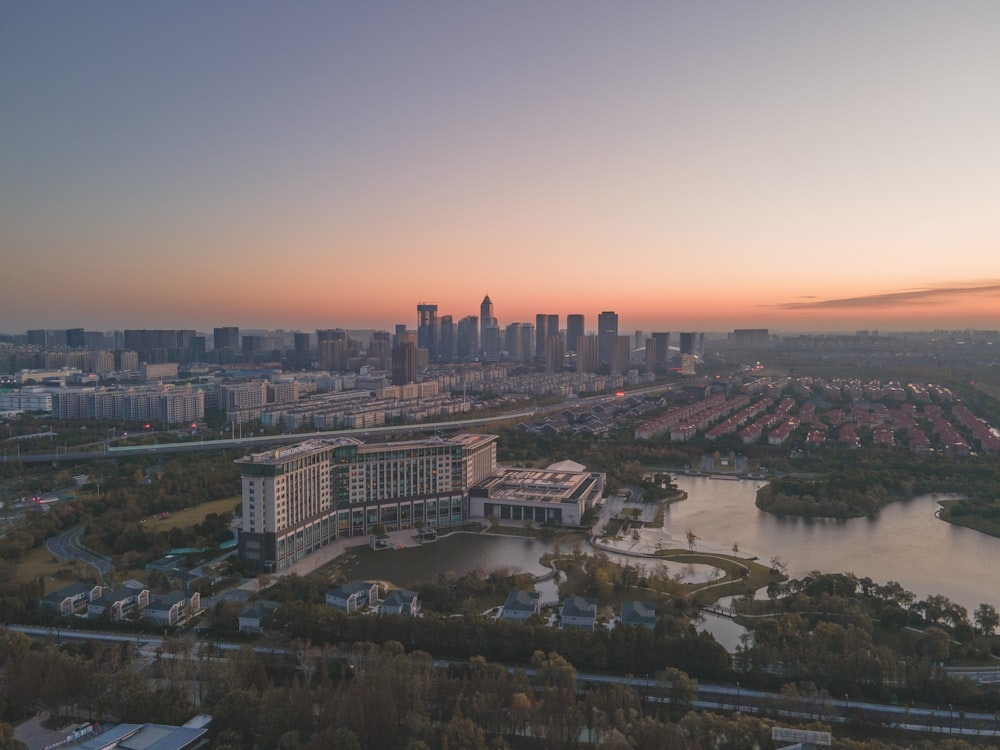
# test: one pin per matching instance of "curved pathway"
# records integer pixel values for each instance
(66, 546)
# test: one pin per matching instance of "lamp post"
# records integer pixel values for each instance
(951, 719)
(737, 696)
(847, 707)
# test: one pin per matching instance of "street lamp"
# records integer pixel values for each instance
(847, 707)
(951, 719)
(737, 696)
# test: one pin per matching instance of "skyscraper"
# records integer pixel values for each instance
(467, 345)
(486, 319)
(427, 329)
(607, 332)
(404, 363)
(661, 341)
(574, 330)
(446, 341)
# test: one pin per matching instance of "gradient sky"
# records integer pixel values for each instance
(691, 165)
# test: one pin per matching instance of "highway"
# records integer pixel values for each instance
(260, 441)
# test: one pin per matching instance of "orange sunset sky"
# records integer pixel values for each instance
(692, 166)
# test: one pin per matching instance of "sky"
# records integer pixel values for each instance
(690, 165)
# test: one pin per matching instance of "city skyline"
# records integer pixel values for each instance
(689, 166)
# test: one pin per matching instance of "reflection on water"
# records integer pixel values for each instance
(905, 543)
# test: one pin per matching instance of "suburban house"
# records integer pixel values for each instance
(352, 595)
(521, 605)
(579, 612)
(173, 608)
(401, 602)
(638, 613)
(252, 617)
(117, 604)
(73, 599)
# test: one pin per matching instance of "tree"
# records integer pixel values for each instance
(691, 539)
(987, 619)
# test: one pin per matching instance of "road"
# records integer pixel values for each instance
(710, 697)
(66, 546)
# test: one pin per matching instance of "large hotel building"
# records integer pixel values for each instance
(298, 499)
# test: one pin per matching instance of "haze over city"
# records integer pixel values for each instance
(695, 166)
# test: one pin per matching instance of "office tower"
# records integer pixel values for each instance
(555, 354)
(400, 334)
(649, 359)
(446, 341)
(751, 337)
(545, 326)
(490, 342)
(541, 321)
(661, 342)
(225, 344)
(587, 353)
(621, 355)
(253, 348)
(198, 348)
(227, 337)
(299, 498)
(688, 341)
(574, 330)
(427, 329)
(485, 318)
(75, 338)
(37, 337)
(467, 344)
(607, 331)
(552, 326)
(404, 362)
(302, 354)
(639, 341)
(513, 342)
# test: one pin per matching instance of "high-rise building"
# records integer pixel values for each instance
(490, 342)
(75, 338)
(404, 362)
(467, 344)
(621, 351)
(227, 337)
(574, 330)
(302, 354)
(486, 318)
(446, 341)
(380, 350)
(587, 359)
(607, 332)
(661, 342)
(546, 325)
(555, 354)
(427, 325)
(688, 343)
(649, 361)
(300, 498)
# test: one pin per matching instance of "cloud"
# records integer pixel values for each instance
(929, 296)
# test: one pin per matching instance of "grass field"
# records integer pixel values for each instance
(56, 573)
(195, 514)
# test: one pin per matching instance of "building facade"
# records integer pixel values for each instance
(298, 499)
